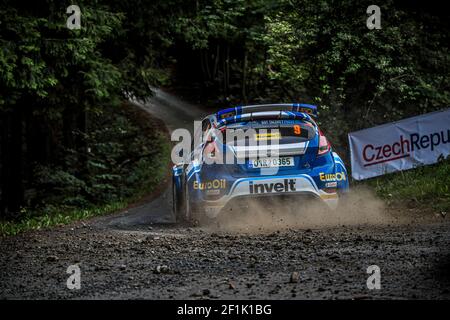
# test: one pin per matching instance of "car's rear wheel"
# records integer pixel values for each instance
(187, 206)
(183, 210)
(179, 204)
(193, 216)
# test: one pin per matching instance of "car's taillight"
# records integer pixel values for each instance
(324, 145)
(211, 149)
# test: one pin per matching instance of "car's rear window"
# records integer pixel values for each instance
(281, 131)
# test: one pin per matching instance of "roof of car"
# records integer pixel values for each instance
(264, 115)
(294, 107)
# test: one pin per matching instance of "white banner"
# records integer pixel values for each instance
(400, 145)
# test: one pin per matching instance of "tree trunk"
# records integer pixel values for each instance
(216, 62)
(12, 163)
(226, 72)
(80, 141)
(4, 126)
(206, 59)
(69, 126)
(244, 76)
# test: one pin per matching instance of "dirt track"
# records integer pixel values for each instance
(140, 253)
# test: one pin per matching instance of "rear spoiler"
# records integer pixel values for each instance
(267, 115)
(295, 107)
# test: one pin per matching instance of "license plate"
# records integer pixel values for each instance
(272, 162)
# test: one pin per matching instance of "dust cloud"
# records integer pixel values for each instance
(359, 207)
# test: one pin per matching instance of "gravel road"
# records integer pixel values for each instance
(141, 254)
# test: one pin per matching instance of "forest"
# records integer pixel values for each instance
(67, 142)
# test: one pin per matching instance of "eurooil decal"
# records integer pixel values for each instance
(338, 176)
(210, 185)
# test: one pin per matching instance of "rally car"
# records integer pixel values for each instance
(254, 152)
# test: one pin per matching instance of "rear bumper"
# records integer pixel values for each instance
(264, 187)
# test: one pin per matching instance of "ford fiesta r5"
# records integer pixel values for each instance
(253, 152)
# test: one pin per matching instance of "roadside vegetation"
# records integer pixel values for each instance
(423, 187)
(128, 157)
(67, 151)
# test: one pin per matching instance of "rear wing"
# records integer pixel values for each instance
(240, 110)
(267, 115)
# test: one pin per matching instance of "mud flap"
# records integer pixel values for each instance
(341, 172)
(179, 194)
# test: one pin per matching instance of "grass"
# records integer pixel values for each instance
(422, 187)
(10, 228)
(152, 176)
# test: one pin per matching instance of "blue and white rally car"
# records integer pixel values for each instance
(248, 152)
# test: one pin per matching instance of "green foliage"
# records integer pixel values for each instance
(49, 64)
(127, 160)
(423, 187)
(61, 84)
(55, 217)
(322, 52)
(140, 49)
(59, 187)
(123, 158)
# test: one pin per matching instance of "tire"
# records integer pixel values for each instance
(192, 216)
(189, 214)
(183, 211)
(179, 204)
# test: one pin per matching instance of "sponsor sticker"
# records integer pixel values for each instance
(267, 136)
(400, 145)
(227, 115)
(331, 184)
(330, 177)
(213, 192)
(210, 185)
(268, 187)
